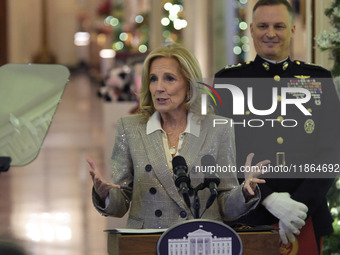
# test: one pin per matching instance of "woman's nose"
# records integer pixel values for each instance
(160, 86)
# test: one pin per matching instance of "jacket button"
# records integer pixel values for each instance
(183, 214)
(158, 213)
(277, 78)
(148, 168)
(280, 119)
(153, 191)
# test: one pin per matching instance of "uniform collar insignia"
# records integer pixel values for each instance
(275, 67)
(266, 66)
(285, 65)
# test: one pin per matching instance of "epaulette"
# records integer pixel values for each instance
(231, 68)
(309, 65)
(237, 66)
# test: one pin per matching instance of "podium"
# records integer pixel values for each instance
(254, 243)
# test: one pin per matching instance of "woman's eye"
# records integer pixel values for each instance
(153, 78)
(170, 78)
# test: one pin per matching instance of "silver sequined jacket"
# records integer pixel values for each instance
(139, 162)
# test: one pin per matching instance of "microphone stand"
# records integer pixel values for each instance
(196, 205)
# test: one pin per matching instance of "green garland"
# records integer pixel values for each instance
(330, 40)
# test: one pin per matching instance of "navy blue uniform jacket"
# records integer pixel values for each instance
(314, 140)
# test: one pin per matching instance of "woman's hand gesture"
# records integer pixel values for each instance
(101, 186)
(251, 173)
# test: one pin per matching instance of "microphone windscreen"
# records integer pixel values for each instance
(208, 160)
(178, 161)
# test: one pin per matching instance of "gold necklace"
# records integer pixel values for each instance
(173, 148)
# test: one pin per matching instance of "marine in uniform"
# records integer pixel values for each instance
(314, 139)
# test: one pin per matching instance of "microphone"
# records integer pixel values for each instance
(211, 180)
(181, 177)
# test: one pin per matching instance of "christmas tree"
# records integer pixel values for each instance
(330, 41)
(331, 244)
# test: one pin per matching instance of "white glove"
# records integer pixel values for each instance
(291, 214)
(286, 233)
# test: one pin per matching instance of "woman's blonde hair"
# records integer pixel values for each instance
(189, 68)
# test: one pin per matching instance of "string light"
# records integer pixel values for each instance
(107, 53)
(165, 21)
(123, 36)
(81, 38)
(240, 40)
(174, 16)
(139, 19)
(142, 48)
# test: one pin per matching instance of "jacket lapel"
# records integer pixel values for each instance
(153, 144)
(191, 148)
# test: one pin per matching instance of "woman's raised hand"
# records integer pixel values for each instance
(251, 173)
(101, 186)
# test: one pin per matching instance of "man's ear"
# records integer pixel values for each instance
(251, 28)
(293, 31)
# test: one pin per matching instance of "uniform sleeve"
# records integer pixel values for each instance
(122, 170)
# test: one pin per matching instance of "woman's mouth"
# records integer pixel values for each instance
(161, 100)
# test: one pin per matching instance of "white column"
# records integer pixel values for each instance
(252, 53)
(196, 246)
(203, 244)
(156, 30)
(309, 16)
(223, 33)
(197, 35)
